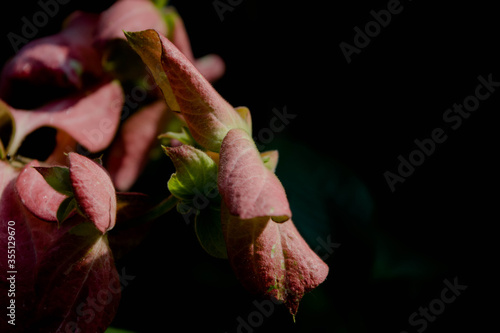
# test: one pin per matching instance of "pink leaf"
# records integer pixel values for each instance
(272, 259)
(25, 246)
(208, 115)
(79, 284)
(130, 150)
(128, 15)
(246, 185)
(91, 118)
(64, 277)
(36, 195)
(59, 60)
(94, 191)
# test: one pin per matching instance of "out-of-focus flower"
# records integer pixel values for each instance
(55, 64)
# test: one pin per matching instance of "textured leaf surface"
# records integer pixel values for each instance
(81, 287)
(208, 115)
(41, 199)
(272, 259)
(247, 186)
(94, 191)
(65, 276)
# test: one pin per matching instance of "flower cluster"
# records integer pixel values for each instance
(254, 228)
(113, 84)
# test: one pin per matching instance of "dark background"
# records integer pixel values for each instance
(352, 122)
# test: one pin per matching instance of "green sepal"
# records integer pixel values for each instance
(183, 137)
(208, 229)
(57, 178)
(195, 179)
(65, 209)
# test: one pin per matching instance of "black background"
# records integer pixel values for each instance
(363, 114)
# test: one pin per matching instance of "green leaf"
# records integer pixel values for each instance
(270, 159)
(208, 229)
(58, 178)
(184, 136)
(65, 209)
(85, 229)
(195, 179)
(160, 3)
(170, 16)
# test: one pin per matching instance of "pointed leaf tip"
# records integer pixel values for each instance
(272, 259)
(147, 44)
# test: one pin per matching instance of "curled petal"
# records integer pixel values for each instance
(248, 187)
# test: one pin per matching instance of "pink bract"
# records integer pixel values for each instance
(94, 191)
(248, 188)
